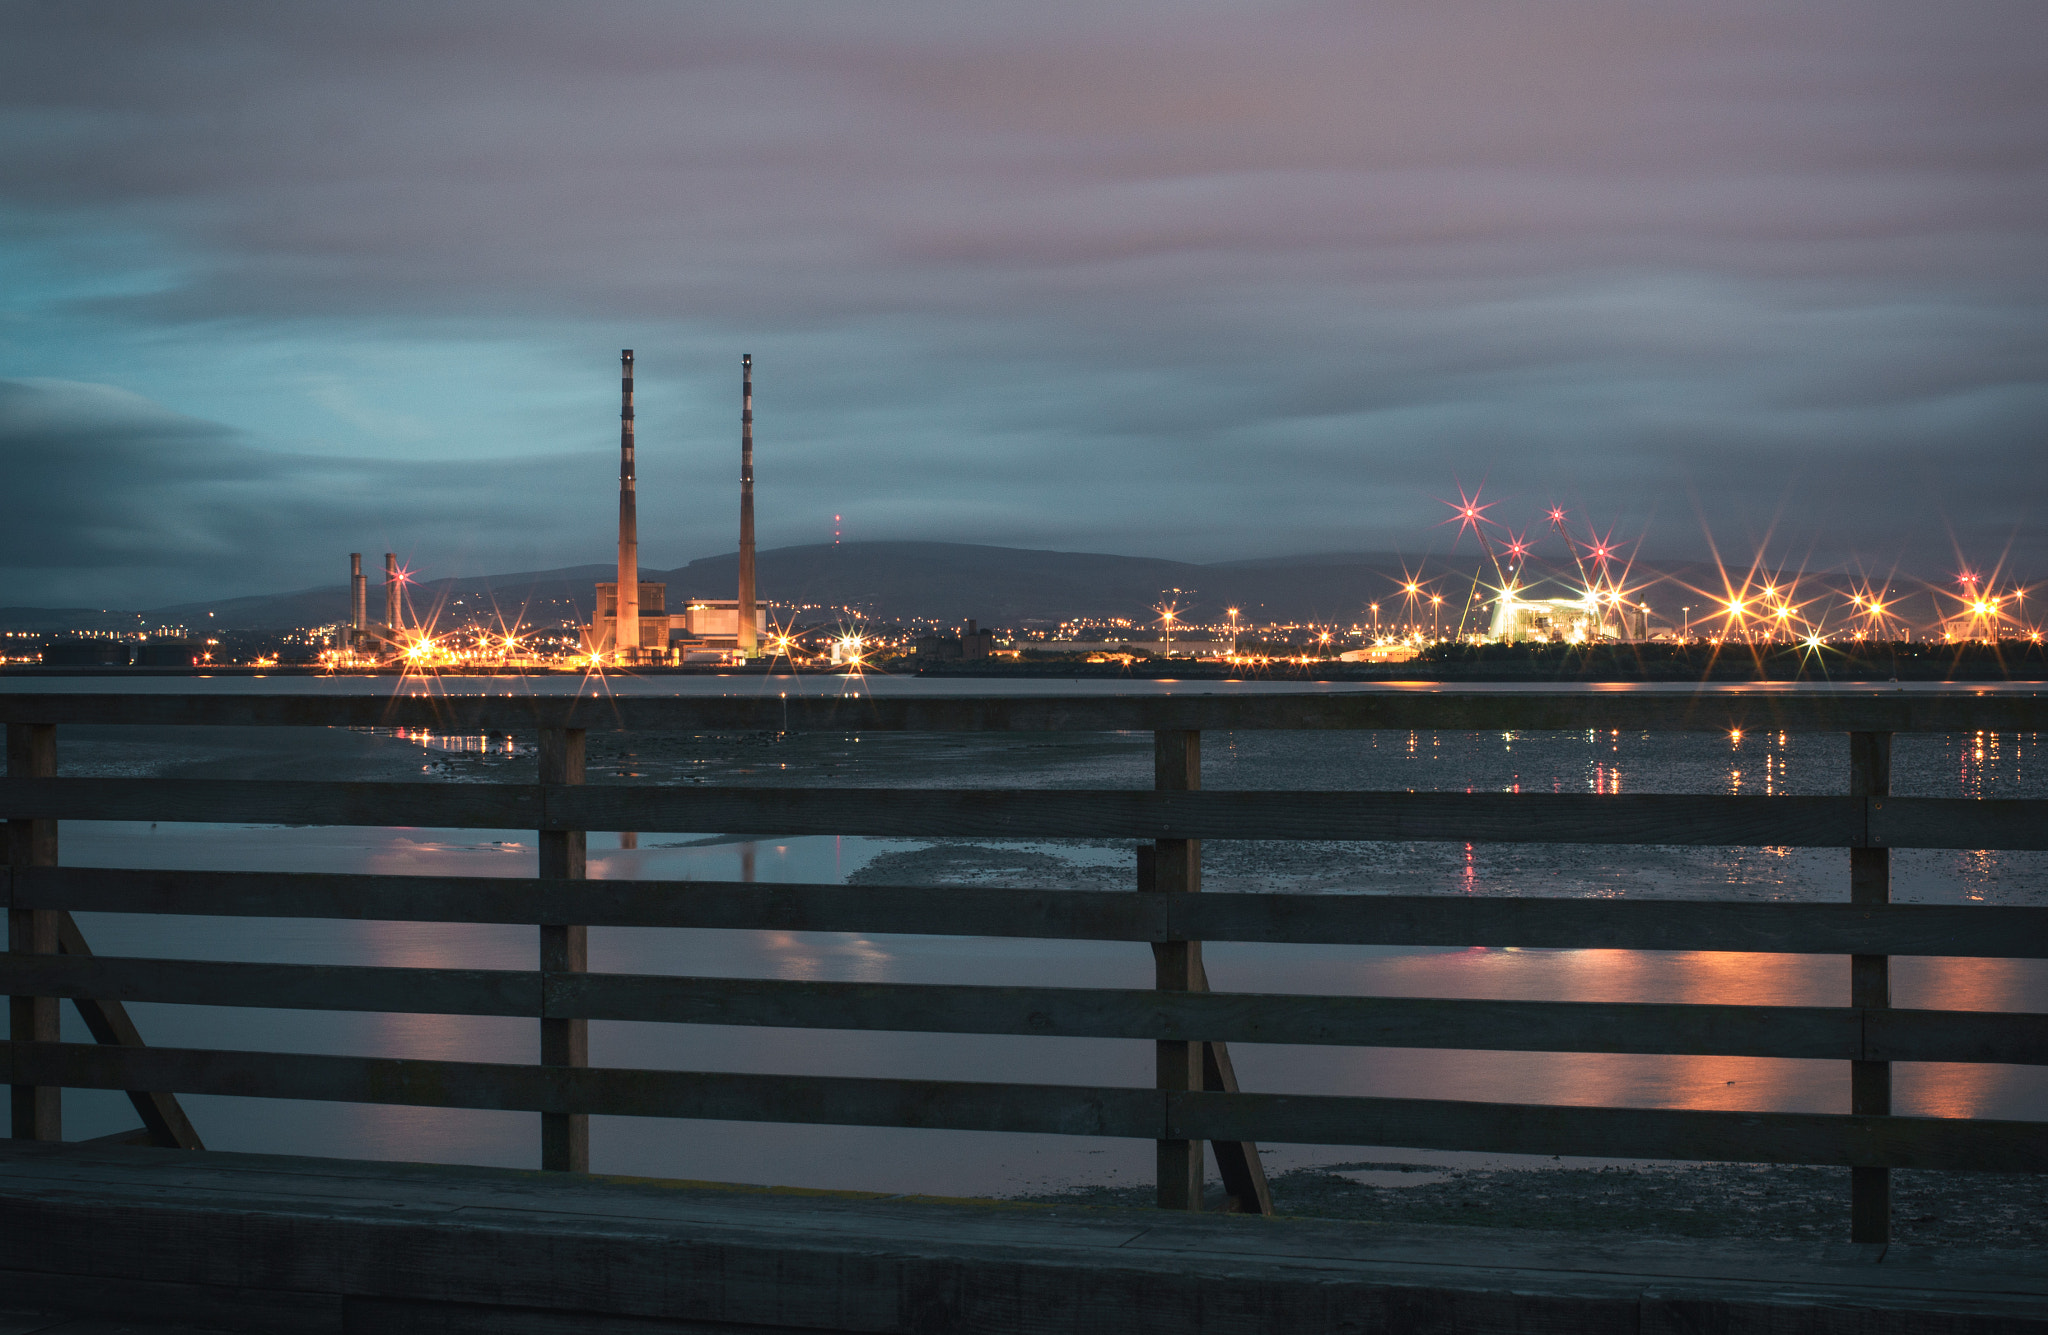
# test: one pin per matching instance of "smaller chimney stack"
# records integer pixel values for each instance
(391, 606)
(358, 600)
(746, 609)
(626, 610)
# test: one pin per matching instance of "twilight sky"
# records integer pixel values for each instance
(1191, 280)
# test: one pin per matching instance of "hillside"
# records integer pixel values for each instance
(897, 580)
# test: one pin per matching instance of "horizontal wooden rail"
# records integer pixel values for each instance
(1692, 709)
(1814, 1032)
(343, 987)
(1111, 813)
(1179, 1017)
(1236, 1017)
(236, 801)
(1995, 931)
(1148, 1114)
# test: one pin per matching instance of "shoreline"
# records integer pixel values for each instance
(1684, 1200)
(1190, 670)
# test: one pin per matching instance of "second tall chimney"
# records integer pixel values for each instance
(358, 600)
(391, 601)
(626, 617)
(746, 610)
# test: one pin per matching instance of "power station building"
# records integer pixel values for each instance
(700, 624)
(364, 636)
(639, 628)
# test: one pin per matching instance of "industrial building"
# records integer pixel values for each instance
(168, 653)
(650, 618)
(972, 643)
(639, 628)
(717, 623)
(86, 653)
(700, 624)
(1577, 618)
(635, 628)
(362, 636)
(1153, 646)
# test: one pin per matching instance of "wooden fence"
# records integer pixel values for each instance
(1195, 1097)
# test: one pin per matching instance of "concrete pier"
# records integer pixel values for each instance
(257, 1242)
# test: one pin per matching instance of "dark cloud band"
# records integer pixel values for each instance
(1188, 280)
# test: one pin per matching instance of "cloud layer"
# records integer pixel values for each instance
(1198, 281)
(121, 497)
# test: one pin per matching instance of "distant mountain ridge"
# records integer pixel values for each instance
(898, 580)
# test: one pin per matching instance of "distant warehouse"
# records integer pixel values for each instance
(86, 653)
(120, 653)
(1189, 646)
(969, 644)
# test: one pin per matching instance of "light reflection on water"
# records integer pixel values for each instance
(483, 743)
(1978, 766)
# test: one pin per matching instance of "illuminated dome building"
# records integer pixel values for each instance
(1576, 617)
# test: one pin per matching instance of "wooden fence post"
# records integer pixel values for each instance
(1176, 965)
(1237, 1161)
(564, 948)
(1870, 1083)
(38, 1110)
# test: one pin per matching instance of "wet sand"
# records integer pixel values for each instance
(1993, 1210)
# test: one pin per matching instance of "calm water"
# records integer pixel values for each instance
(1978, 766)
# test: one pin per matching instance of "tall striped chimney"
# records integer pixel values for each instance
(626, 621)
(391, 605)
(358, 600)
(746, 627)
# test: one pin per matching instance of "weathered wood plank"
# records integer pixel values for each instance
(1981, 930)
(1190, 1017)
(1146, 1114)
(1849, 709)
(267, 894)
(456, 805)
(2018, 1038)
(1832, 1033)
(1928, 822)
(348, 987)
(847, 1101)
(1118, 813)
(1643, 924)
(1178, 816)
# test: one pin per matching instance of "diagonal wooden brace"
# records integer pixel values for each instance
(1237, 1161)
(163, 1120)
